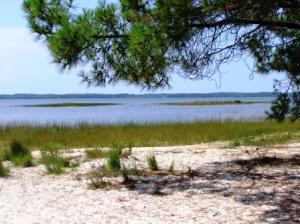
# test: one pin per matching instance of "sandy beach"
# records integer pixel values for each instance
(218, 190)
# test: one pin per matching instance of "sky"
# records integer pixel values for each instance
(26, 66)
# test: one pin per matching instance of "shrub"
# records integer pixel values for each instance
(114, 161)
(3, 170)
(152, 163)
(96, 178)
(24, 161)
(20, 155)
(17, 149)
(54, 162)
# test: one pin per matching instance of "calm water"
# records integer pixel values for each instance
(138, 110)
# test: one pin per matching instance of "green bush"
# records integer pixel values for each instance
(114, 161)
(152, 163)
(54, 162)
(20, 155)
(24, 161)
(17, 149)
(96, 178)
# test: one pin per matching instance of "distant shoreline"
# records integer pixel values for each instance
(212, 103)
(162, 95)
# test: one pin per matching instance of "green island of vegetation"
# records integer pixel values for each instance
(71, 105)
(212, 103)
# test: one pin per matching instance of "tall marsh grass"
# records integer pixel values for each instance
(85, 135)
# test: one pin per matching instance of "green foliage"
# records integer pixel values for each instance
(141, 41)
(152, 163)
(96, 178)
(20, 155)
(87, 136)
(96, 153)
(285, 105)
(18, 149)
(24, 161)
(114, 159)
(53, 161)
(266, 140)
(280, 107)
(295, 107)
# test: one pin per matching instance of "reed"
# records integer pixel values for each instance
(85, 135)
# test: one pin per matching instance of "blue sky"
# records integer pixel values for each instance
(26, 66)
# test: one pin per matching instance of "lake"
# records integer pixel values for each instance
(136, 110)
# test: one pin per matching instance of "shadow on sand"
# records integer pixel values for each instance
(259, 181)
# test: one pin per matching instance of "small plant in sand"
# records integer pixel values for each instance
(54, 162)
(191, 173)
(152, 163)
(20, 155)
(3, 170)
(96, 178)
(172, 168)
(114, 159)
(125, 174)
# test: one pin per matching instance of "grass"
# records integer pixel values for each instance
(71, 105)
(100, 153)
(114, 159)
(152, 163)
(94, 136)
(96, 178)
(265, 140)
(53, 161)
(172, 168)
(96, 153)
(212, 103)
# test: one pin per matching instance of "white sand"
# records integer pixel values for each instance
(218, 194)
